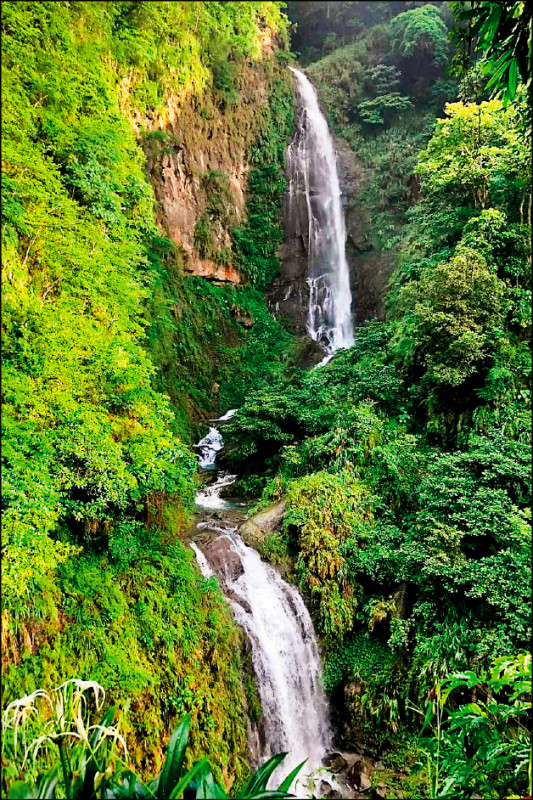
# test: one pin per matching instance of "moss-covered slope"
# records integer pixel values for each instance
(112, 352)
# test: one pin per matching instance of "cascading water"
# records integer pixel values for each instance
(284, 649)
(209, 446)
(312, 171)
(285, 658)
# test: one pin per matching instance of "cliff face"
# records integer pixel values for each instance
(369, 269)
(201, 153)
(198, 167)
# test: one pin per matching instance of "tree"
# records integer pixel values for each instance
(420, 32)
(474, 152)
(454, 308)
(501, 33)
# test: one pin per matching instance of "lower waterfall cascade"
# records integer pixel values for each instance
(285, 653)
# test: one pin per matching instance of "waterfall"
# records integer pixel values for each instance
(285, 659)
(209, 447)
(209, 497)
(285, 654)
(312, 170)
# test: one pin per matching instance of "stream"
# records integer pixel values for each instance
(285, 654)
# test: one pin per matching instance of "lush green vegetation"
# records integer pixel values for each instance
(84, 760)
(485, 743)
(111, 356)
(405, 461)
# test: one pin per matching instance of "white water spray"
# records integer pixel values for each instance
(286, 661)
(209, 447)
(312, 169)
(209, 497)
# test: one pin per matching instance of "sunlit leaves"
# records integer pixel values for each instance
(471, 148)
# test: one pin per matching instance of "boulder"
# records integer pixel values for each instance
(257, 527)
(250, 532)
(335, 762)
(360, 774)
(223, 559)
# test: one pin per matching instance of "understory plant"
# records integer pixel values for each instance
(50, 738)
(484, 745)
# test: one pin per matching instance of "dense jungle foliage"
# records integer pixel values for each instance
(111, 354)
(404, 462)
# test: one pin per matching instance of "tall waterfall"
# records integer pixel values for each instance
(312, 171)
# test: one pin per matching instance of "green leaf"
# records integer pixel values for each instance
(179, 788)
(513, 79)
(259, 779)
(47, 785)
(286, 784)
(491, 25)
(172, 767)
(499, 72)
(207, 786)
(46, 789)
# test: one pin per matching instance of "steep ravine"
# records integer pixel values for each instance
(285, 655)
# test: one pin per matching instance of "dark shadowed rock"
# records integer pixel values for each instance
(360, 774)
(335, 762)
(402, 600)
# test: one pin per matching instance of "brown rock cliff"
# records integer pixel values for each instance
(197, 164)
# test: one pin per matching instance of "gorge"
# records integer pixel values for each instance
(286, 661)
(266, 399)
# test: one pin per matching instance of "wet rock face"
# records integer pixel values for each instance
(223, 559)
(360, 774)
(369, 269)
(218, 273)
(289, 296)
(177, 171)
(336, 762)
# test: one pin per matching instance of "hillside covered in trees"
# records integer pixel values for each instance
(144, 173)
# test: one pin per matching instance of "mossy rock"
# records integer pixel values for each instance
(255, 529)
